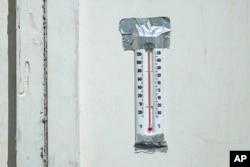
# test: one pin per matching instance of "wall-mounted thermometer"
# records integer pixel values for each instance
(147, 37)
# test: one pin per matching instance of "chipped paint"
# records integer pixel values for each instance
(24, 80)
(45, 84)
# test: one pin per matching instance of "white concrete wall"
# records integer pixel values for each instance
(207, 81)
(4, 83)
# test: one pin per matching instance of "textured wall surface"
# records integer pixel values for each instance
(207, 83)
(4, 83)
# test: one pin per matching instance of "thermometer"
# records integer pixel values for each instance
(147, 37)
(148, 91)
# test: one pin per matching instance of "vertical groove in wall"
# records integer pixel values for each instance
(12, 83)
(45, 153)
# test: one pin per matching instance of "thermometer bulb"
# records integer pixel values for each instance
(150, 129)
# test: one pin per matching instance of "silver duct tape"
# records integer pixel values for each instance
(139, 33)
(150, 144)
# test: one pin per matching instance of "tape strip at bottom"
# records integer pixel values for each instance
(150, 144)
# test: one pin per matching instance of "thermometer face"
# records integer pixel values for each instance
(148, 92)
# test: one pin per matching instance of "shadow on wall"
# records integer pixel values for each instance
(12, 83)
